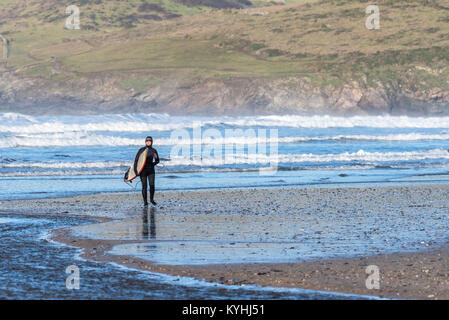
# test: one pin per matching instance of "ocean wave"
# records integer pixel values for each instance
(71, 139)
(67, 165)
(120, 171)
(250, 159)
(18, 123)
(326, 121)
(58, 173)
(361, 155)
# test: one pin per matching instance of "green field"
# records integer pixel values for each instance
(146, 42)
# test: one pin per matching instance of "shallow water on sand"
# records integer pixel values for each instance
(208, 238)
(34, 268)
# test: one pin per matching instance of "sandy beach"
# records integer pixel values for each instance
(311, 238)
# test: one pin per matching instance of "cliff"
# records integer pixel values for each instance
(239, 57)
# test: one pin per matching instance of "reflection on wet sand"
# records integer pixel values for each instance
(151, 225)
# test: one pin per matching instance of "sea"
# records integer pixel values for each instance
(58, 156)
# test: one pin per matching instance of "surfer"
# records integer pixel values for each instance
(148, 173)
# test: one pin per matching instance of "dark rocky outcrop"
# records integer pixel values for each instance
(237, 96)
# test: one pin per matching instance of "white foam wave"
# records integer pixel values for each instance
(360, 155)
(327, 121)
(17, 123)
(250, 159)
(67, 165)
(90, 139)
(119, 171)
(11, 220)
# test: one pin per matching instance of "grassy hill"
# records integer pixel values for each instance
(141, 44)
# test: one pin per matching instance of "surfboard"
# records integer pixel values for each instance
(130, 174)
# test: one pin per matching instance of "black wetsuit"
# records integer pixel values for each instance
(148, 173)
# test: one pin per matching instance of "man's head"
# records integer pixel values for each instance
(149, 141)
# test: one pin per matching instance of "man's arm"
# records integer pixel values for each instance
(156, 157)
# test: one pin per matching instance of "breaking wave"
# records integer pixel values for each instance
(262, 159)
(73, 139)
(18, 123)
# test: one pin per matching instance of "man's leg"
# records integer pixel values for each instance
(143, 180)
(151, 178)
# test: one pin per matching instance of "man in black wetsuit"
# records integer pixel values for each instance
(148, 173)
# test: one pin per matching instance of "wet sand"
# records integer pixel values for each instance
(321, 238)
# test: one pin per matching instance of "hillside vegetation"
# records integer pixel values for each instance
(140, 48)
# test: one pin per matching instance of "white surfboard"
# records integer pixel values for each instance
(130, 175)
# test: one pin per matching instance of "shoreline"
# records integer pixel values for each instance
(313, 185)
(344, 275)
(415, 274)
